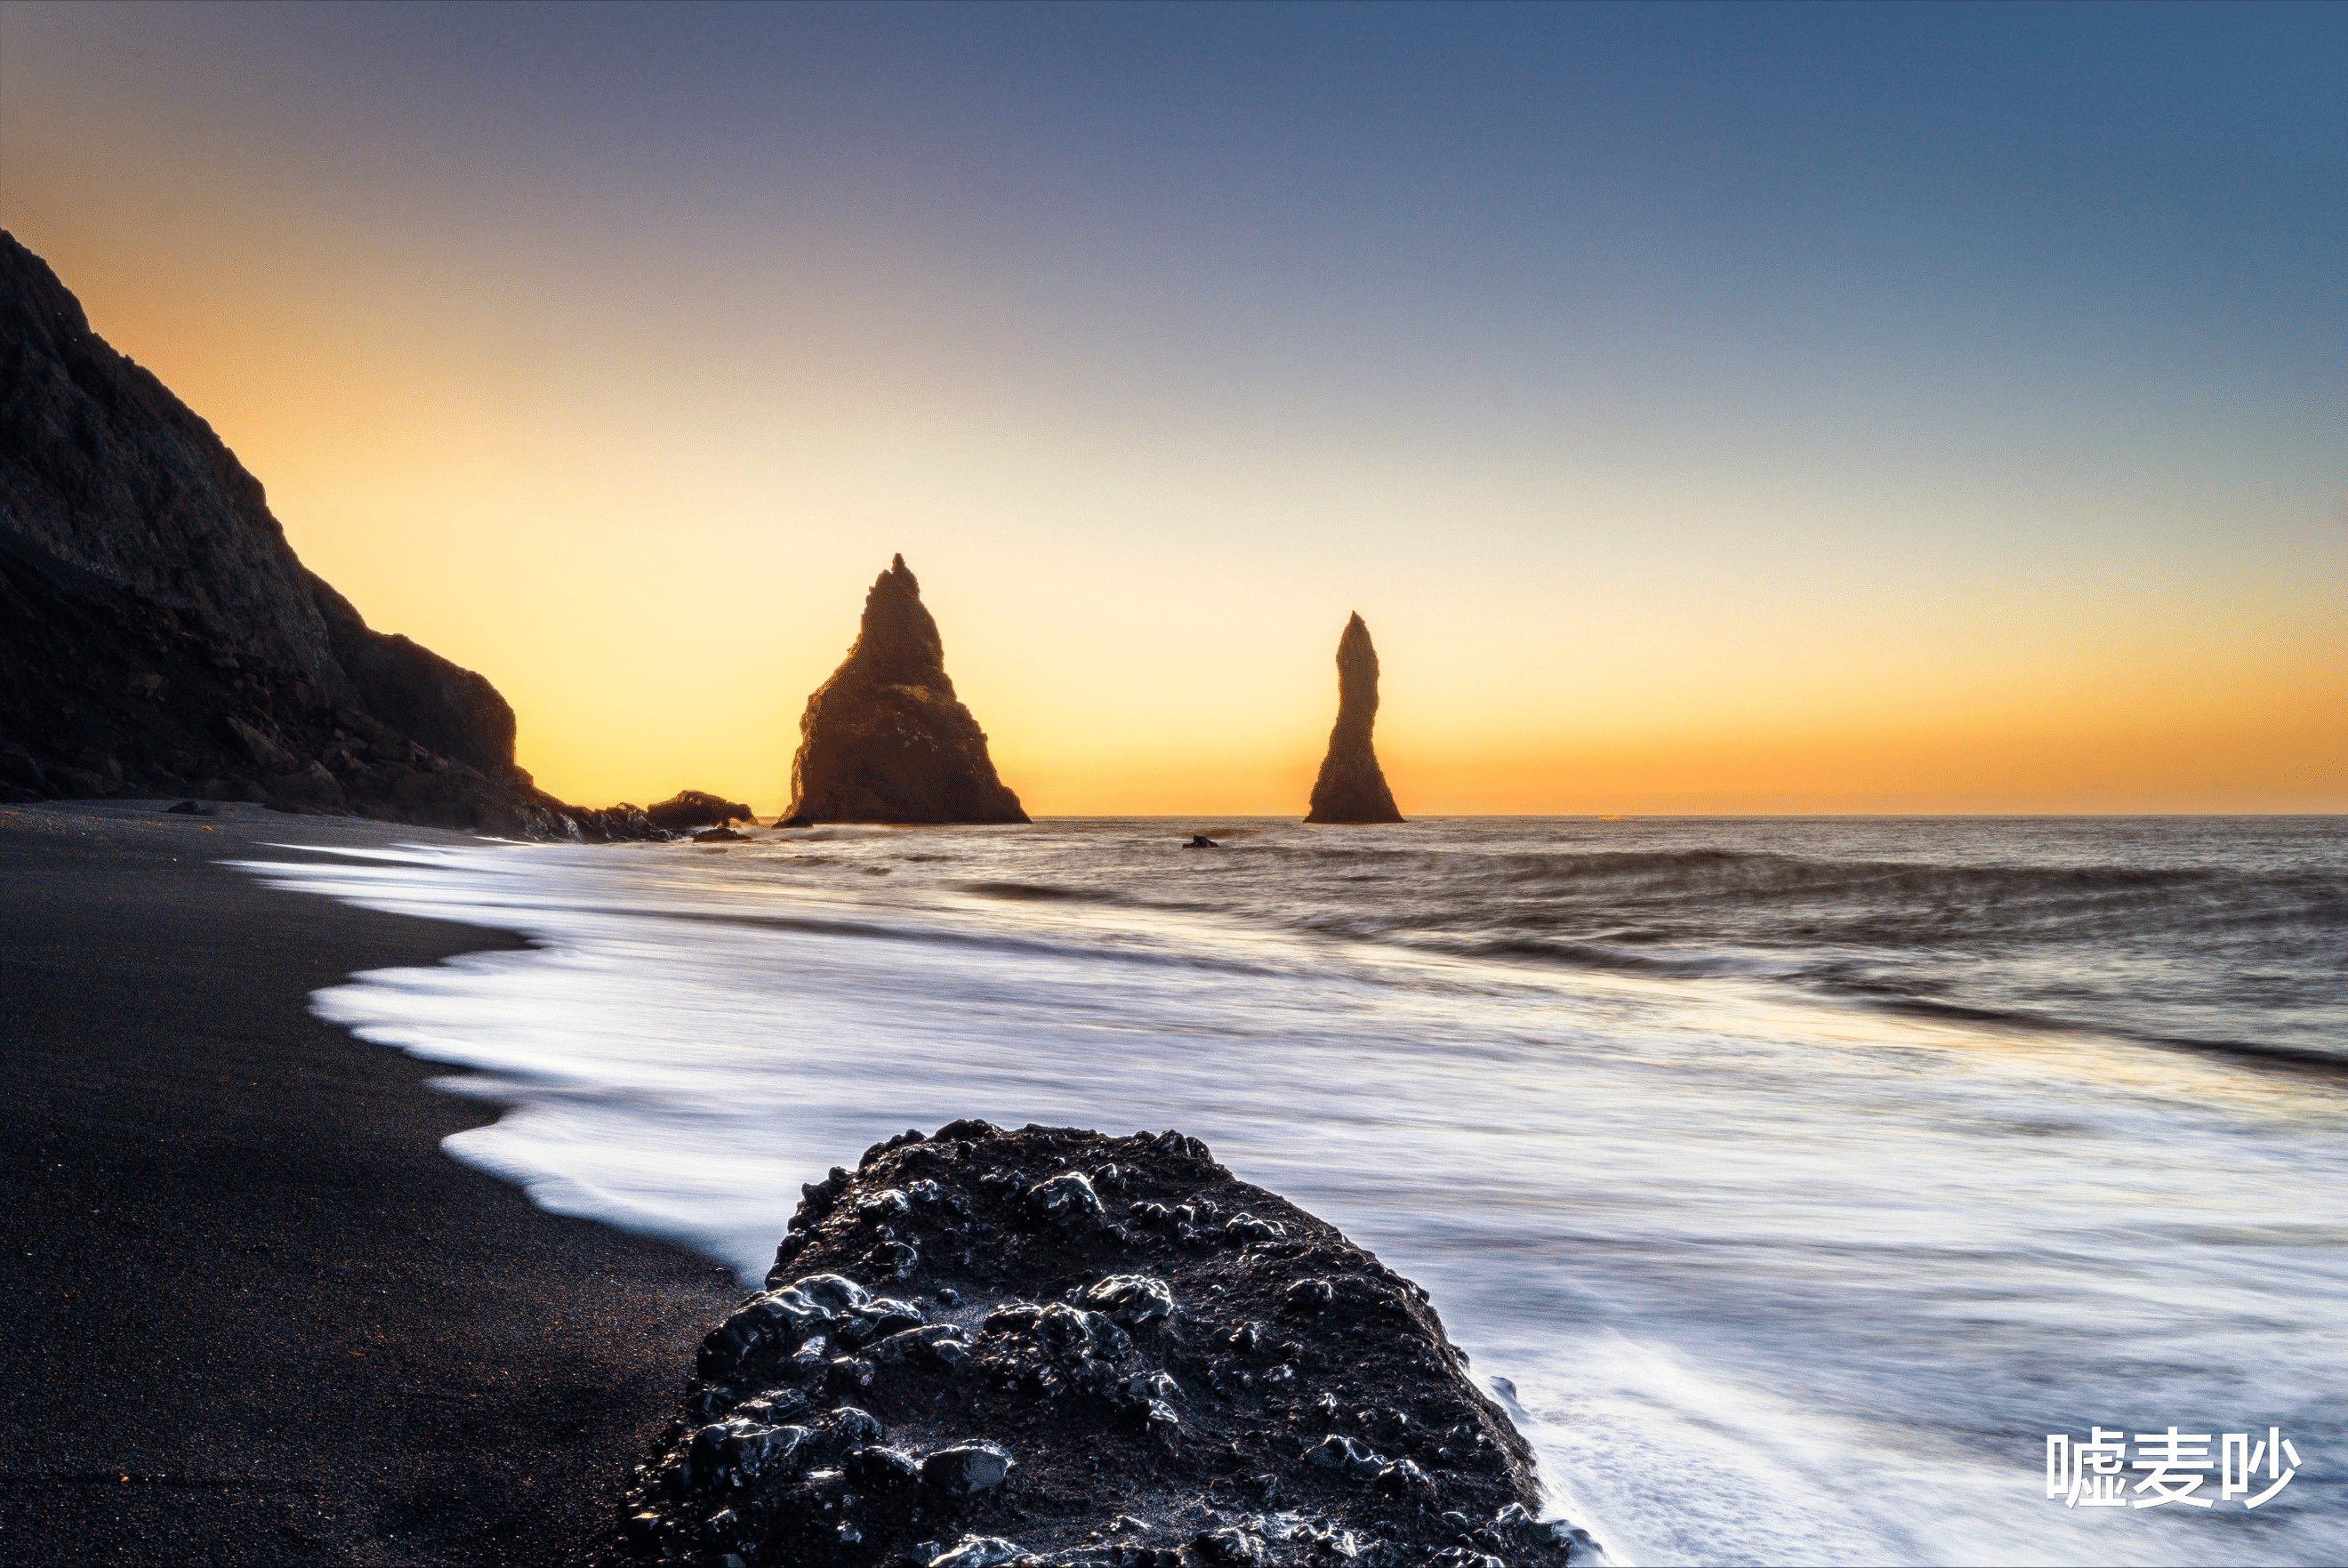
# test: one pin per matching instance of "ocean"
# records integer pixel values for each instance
(1791, 1180)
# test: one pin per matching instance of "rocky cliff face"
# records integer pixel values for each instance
(884, 740)
(1351, 787)
(158, 635)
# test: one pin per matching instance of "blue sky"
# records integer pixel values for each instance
(1781, 361)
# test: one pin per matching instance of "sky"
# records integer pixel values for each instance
(1709, 409)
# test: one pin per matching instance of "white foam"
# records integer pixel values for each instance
(1772, 1280)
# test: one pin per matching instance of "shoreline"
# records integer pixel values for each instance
(257, 1313)
(642, 996)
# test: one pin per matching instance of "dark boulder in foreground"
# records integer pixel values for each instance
(1351, 787)
(1051, 1346)
(696, 809)
(160, 637)
(884, 739)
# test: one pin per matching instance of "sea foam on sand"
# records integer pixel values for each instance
(1760, 1268)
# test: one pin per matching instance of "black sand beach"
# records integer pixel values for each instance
(253, 1314)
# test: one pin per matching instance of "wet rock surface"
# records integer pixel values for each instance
(1050, 1347)
(1351, 787)
(885, 739)
(161, 639)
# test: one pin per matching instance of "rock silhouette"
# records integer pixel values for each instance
(1351, 788)
(884, 739)
(158, 635)
(696, 808)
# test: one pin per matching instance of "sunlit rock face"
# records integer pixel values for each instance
(884, 739)
(1351, 788)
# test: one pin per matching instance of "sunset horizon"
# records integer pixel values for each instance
(1941, 514)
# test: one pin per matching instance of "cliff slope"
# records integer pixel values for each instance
(158, 635)
(884, 739)
(1351, 787)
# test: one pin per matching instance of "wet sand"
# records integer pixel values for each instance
(253, 1314)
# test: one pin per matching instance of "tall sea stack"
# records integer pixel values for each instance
(1351, 788)
(883, 741)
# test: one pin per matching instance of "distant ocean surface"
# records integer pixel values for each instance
(1798, 1177)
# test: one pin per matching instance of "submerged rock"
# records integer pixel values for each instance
(1351, 787)
(1103, 1351)
(884, 739)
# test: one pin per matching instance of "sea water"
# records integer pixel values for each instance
(1790, 1180)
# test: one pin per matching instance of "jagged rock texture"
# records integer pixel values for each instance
(884, 739)
(1050, 1348)
(1351, 787)
(158, 635)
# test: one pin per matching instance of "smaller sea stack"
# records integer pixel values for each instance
(1351, 788)
(884, 740)
(689, 809)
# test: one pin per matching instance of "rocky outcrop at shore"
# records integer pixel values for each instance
(159, 636)
(884, 739)
(1351, 787)
(689, 809)
(1050, 1347)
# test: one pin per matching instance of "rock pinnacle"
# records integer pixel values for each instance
(884, 740)
(1351, 787)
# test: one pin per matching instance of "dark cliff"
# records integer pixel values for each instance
(1351, 787)
(158, 635)
(884, 739)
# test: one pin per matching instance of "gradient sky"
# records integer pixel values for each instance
(1709, 409)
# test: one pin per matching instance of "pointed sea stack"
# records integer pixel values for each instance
(883, 741)
(1351, 788)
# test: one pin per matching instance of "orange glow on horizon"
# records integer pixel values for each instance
(651, 521)
(658, 609)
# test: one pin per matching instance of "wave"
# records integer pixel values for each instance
(1922, 997)
(1073, 947)
(2185, 938)
(1591, 955)
(1041, 893)
(2194, 936)
(1778, 900)
(1776, 872)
